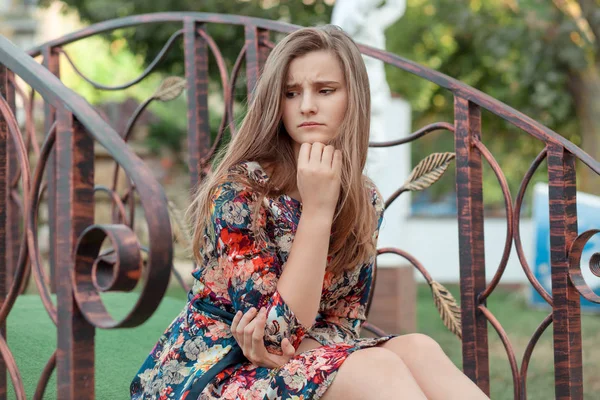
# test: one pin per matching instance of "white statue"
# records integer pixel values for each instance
(366, 21)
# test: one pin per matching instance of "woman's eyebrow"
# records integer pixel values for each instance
(294, 84)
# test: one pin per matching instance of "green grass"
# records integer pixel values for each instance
(519, 322)
(119, 353)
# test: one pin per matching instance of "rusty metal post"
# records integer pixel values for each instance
(256, 55)
(4, 184)
(75, 211)
(51, 62)
(469, 191)
(13, 214)
(568, 370)
(196, 74)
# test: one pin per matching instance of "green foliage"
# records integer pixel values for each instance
(521, 53)
(524, 53)
(147, 40)
(136, 47)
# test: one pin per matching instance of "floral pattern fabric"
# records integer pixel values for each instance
(243, 256)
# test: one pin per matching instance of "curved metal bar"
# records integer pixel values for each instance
(393, 197)
(129, 197)
(34, 143)
(234, 75)
(39, 274)
(529, 351)
(507, 346)
(116, 200)
(459, 89)
(416, 135)
(226, 93)
(29, 124)
(267, 43)
(16, 199)
(134, 117)
(15, 376)
(21, 271)
(407, 257)
(575, 266)
(517, 227)
(152, 197)
(93, 275)
(162, 17)
(46, 374)
(509, 219)
(144, 74)
(14, 196)
(126, 197)
(128, 129)
(373, 329)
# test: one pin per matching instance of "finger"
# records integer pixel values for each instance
(304, 154)
(337, 161)
(248, 332)
(288, 348)
(244, 321)
(327, 157)
(258, 344)
(235, 322)
(246, 318)
(316, 152)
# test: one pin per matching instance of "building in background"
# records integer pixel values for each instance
(18, 21)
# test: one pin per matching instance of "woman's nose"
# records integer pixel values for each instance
(308, 104)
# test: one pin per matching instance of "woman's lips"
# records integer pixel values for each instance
(307, 124)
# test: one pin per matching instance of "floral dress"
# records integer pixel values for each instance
(240, 270)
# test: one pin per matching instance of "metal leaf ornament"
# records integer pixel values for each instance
(170, 88)
(428, 171)
(447, 307)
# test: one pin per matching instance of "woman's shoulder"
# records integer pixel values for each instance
(249, 170)
(243, 182)
(376, 200)
(376, 197)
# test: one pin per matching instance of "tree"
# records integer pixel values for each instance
(541, 57)
(147, 40)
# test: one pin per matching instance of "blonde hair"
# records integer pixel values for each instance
(262, 138)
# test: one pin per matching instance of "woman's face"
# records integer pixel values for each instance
(315, 98)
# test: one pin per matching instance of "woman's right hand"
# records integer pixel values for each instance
(319, 176)
(249, 331)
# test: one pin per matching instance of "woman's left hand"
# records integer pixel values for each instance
(249, 330)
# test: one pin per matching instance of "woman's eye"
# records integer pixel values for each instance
(327, 91)
(289, 95)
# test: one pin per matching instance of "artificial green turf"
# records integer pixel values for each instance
(119, 353)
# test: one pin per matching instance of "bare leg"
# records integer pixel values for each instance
(435, 373)
(373, 373)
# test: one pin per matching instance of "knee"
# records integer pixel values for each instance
(374, 360)
(415, 344)
(365, 372)
(422, 342)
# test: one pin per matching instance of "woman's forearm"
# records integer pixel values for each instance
(301, 281)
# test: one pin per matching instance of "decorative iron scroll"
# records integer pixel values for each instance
(79, 267)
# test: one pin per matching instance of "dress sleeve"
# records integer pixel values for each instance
(248, 261)
(341, 321)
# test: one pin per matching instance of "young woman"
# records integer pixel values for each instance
(285, 233)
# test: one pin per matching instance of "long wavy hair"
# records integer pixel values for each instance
(262, 137)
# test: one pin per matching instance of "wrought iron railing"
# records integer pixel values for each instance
(66, 160)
